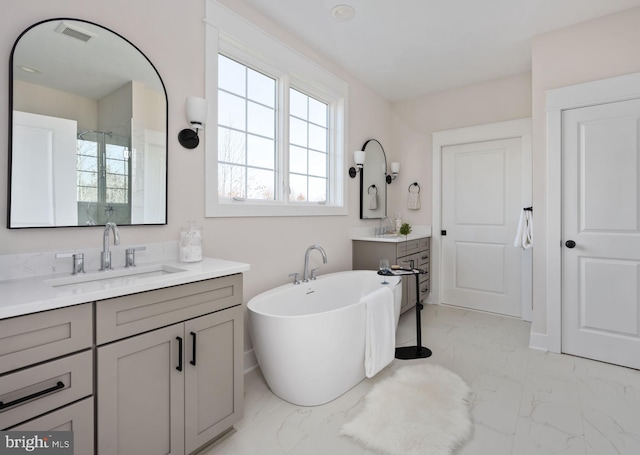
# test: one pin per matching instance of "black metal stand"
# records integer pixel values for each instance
(418, 351)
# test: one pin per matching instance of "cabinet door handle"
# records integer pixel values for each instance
(193, 354)
(179, 367)
(58, 386)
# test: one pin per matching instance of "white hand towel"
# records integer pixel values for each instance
(373, 201)
(413, 201)
(524, 235)
(380, 330)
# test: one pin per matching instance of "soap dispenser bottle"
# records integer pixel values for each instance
(191, 243)
(398, 222)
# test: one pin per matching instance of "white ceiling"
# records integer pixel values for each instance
(407, 48)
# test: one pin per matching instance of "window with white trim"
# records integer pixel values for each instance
(280, 129)
(246, 132)
(308, 151)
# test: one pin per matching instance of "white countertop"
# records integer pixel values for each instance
(26, 295)
(367, 235)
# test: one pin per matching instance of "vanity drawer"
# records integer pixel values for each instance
(408, 247)
(423, 260)
(34, 391)
(122, 317)
(405, 248)
(33, 338)
(424, 286)
(77, 417)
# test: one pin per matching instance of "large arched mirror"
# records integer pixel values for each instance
(88, 129)
(373, 184)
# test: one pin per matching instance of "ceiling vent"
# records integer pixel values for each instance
(74, 32)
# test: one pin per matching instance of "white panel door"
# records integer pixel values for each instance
(601, 214)
(155, 176)
(43, 179)
(481, 203)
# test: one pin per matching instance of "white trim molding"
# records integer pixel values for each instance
(620, 88)
(520, 128)
(250, 361)
(238, 38)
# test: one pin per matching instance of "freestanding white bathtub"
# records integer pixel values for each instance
(309, 338)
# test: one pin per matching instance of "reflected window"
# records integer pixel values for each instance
(103, 173)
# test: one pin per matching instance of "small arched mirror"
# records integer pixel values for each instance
(88, 129)
(373, 183)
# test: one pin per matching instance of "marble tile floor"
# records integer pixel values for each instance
(523, 402)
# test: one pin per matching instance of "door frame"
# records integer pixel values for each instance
(520, 128)
(620, 88)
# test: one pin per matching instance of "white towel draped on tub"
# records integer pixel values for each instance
(380, 331)
(524, 236)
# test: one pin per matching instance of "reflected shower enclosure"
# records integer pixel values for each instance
(104, 169)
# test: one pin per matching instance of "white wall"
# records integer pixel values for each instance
(593, 50)
(414, 120)
(171, 34)
(38, 99)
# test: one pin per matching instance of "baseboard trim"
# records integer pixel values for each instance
(250, 361)
(539, 341)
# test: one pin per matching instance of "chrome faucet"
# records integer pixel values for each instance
(305, 274)
(105, 256)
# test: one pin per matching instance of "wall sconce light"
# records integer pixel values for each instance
(197, 110)
(358, 158)
(395, 170)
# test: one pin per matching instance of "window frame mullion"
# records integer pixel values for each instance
(240, 40)
(282, 140)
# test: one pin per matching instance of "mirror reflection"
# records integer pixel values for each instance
(88, 125)
(373, 185)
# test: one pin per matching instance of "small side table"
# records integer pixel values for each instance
(418, 351)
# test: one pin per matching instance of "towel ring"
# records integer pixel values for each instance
(414, 184)
(374, 187)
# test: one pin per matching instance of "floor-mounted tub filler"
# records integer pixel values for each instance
(309, 339)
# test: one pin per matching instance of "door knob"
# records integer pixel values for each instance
(570, 244)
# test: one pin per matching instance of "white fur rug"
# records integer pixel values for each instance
(421, 409)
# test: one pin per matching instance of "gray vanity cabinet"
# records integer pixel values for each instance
(146, 373)
(77, 417)
(172, 388)
(415, 252)
(213, 377)
(139, 391)
(46, 373)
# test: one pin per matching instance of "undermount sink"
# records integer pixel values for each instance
(115, 276)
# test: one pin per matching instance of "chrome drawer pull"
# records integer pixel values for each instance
(58, 386)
